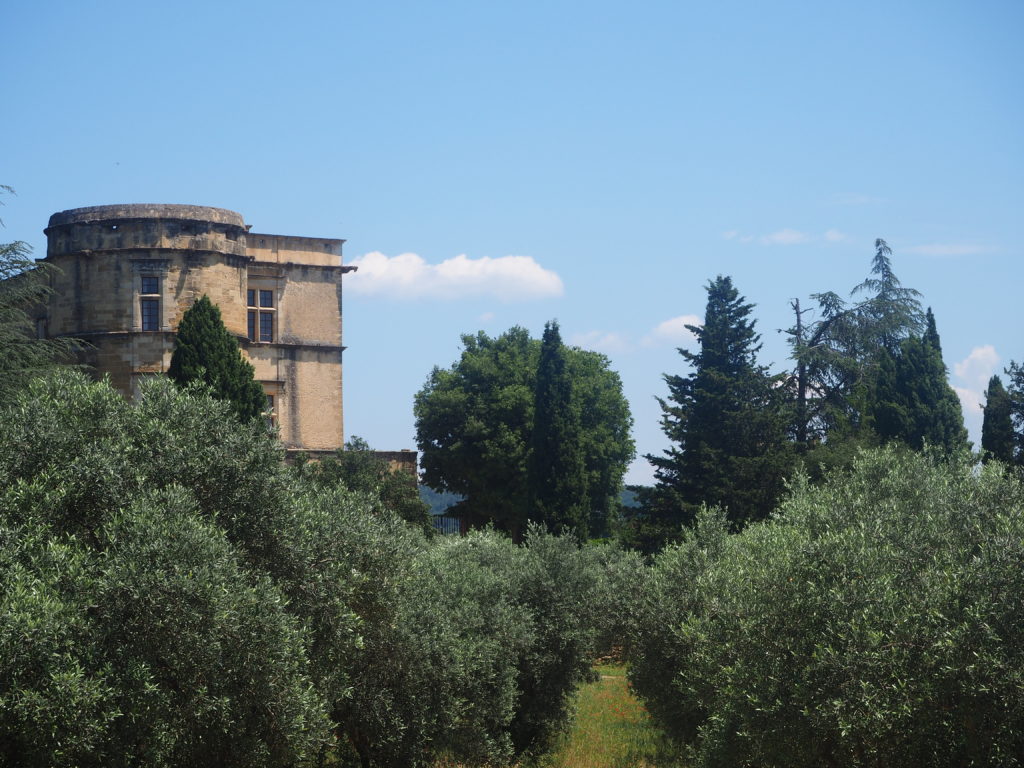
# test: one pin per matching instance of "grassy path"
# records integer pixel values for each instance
(612, 730)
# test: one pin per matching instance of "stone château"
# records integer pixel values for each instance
(127, 273)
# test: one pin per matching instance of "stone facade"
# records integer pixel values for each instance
(129, 272)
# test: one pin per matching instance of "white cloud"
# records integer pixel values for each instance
(977, 368)
(486, 317)
(948, 249)
(608, 342)
(672, 331)
(785, 237)
(973, 373)
(409, 276)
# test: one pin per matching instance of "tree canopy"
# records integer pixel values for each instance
(1016, 393)
(838, 354)
(475, 426)
(206, 352)
(359, 469)
(555, 472)
(997, 438)
(24, 285)
(174, 595)
(912, 401)
(725, 420)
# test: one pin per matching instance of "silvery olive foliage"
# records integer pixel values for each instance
(877, 619)
(175, 596)
(150, 620)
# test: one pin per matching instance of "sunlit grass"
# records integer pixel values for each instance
(612, 729)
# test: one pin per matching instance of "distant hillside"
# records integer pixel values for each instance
(440, 501)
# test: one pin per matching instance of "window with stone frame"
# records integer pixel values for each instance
(149, 302)
(261, 314)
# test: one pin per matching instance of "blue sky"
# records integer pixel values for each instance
(500, 164)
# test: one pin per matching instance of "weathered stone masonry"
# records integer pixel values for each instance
(129, 272)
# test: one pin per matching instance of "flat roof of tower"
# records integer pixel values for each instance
(97, 213)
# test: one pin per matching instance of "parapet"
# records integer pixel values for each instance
(144, 226)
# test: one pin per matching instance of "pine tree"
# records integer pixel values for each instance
(839, 355)
(725, 420)
(205, 351)
(997, 438)
(557, 479)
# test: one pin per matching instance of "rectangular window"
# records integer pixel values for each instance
(150, 314)
(150, 284)
(252, 326)
(268, 414)
(266, 326)
(250, 298)
(41, 328)
(266, 298)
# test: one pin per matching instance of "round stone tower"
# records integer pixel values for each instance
(128, 272)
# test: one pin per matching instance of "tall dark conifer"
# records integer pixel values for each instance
(912, 400)
(725, 420)
(1016, 393)
(557, 478)
(997, 439)
(205, 351)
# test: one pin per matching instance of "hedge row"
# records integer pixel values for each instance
(877, 620)
(174, 596)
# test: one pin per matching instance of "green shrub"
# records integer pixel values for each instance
(877, 620)
(173, 595)
(152, 554)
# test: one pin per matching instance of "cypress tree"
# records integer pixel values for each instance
(1016, 395)
(997, 436)
(556, 479)
(913, 402)
(205, 351)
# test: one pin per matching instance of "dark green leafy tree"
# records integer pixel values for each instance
(726, 422)
(605, 424)
(912, 401)
(556, 481)
(474, 425)
(997, 438)
(24, 285)
(205, 351)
